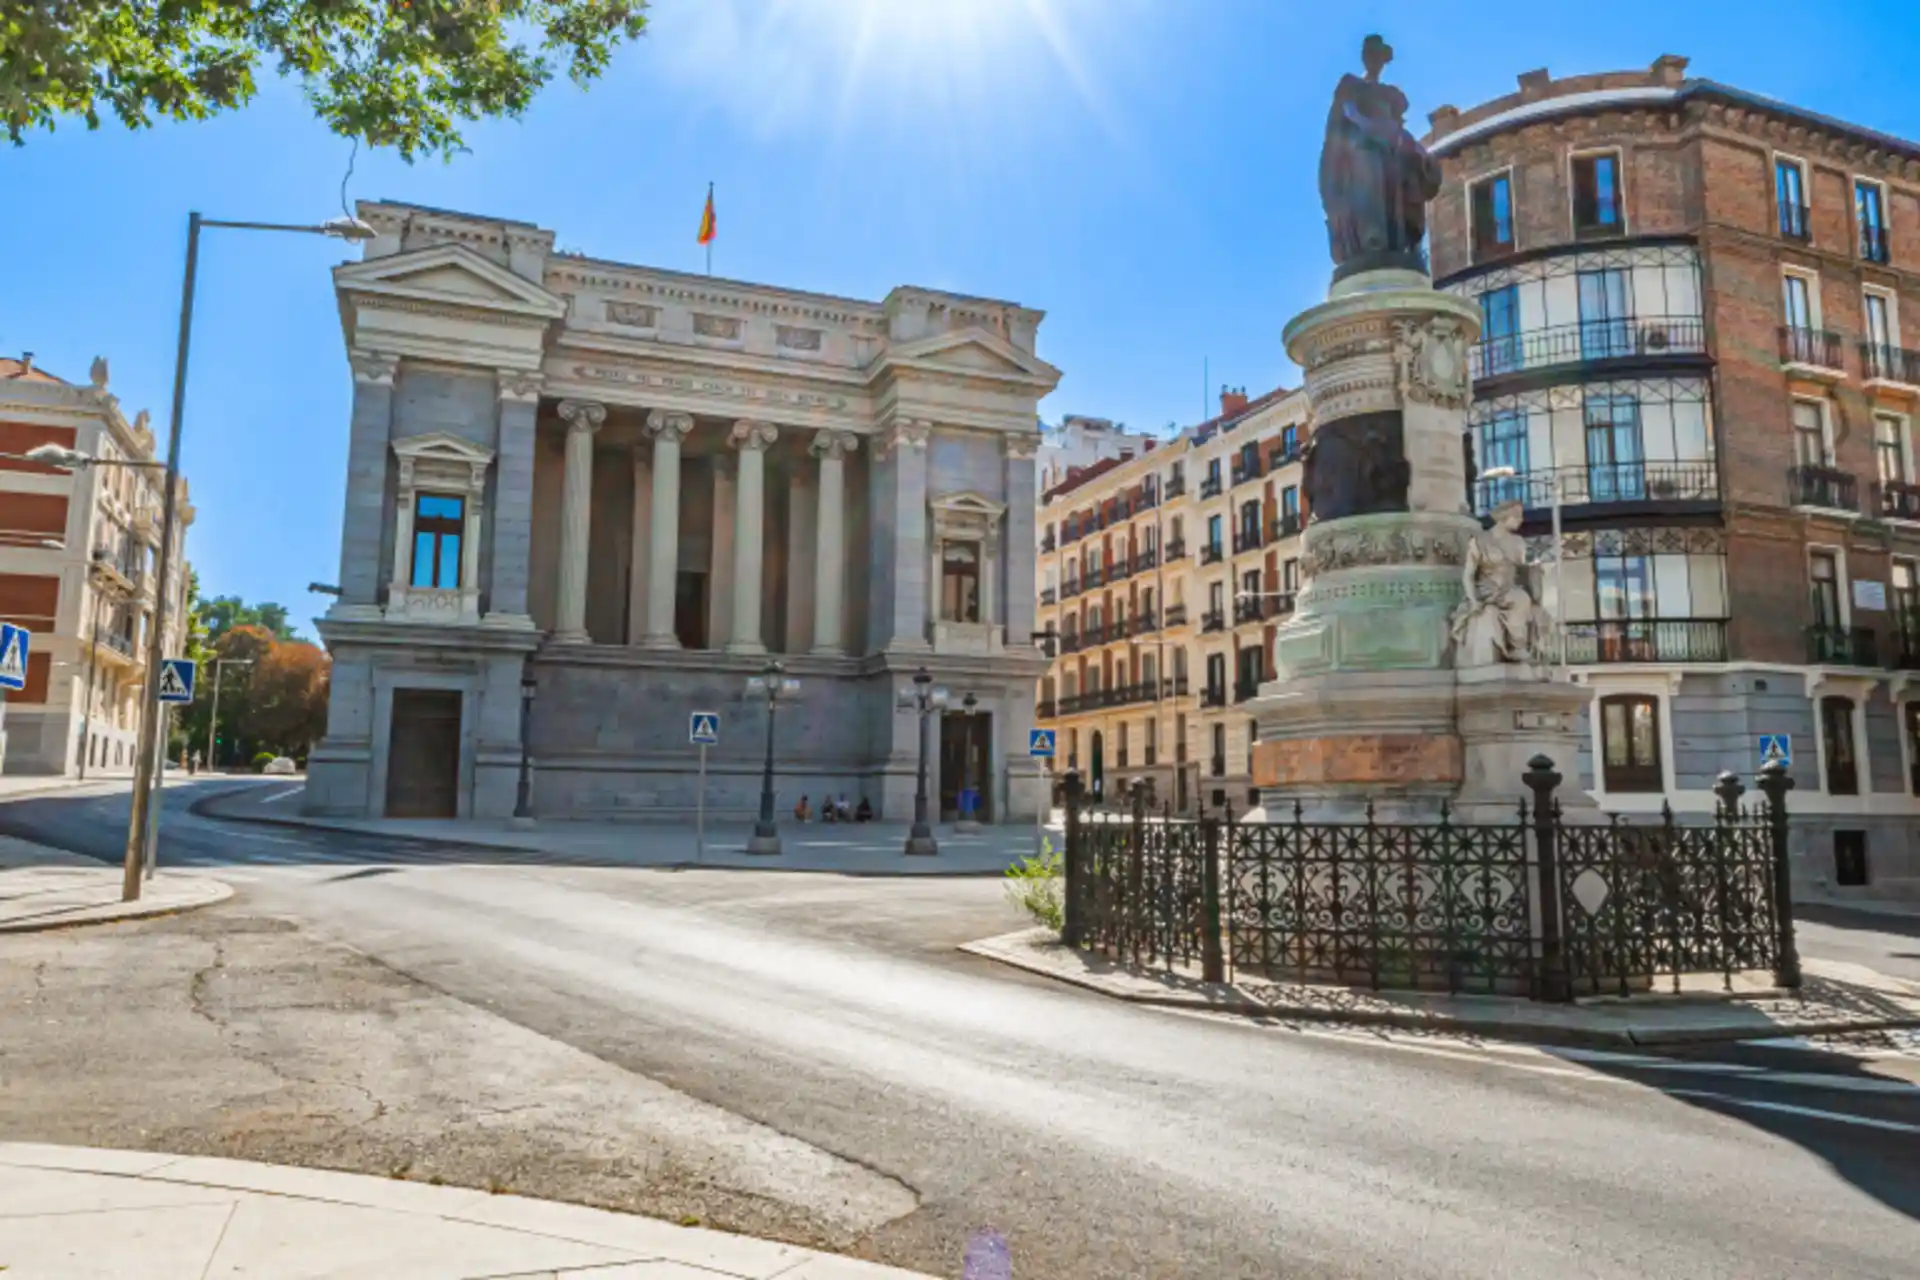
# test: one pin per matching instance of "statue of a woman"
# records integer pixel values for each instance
(1375, 178)
(1501, 619)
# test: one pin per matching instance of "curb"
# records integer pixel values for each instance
(1468, 1025)
(211, 892)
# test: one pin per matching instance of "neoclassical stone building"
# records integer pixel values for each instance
(626, 489)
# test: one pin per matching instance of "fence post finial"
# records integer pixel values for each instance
(1727, 789)
(1775, 782)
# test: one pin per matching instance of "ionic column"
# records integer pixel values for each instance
(667, 431)
(583, 418)
(830, 549)
(749, 524)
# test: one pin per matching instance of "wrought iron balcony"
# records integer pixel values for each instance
(1069, 588)
(1842, 646)
(1176, 615)
(1279, 606)
(1619, 339)
(1046, 709)
(1120, 570)
(1873, 244)
(1144, 622)
(1796, 222)
(1147, 756)
(1047, 542)
(1146, 558)
(1286, 524)
(1811, 486)
(113, 640)
(1245, 689)
(1176, 549)
(1697, 481)
(1247, 609)
(1210, 487)
(1049, 595)
(1070, 642)
(1245, 540)
(1242, 472)
(1815, 348)
(1213, 696)
(1218, 764)
(1282, 456)
(1213, 620)
(1094, 576)
(1884, 363)
(1647, 640)
(1897, 500)
(1212, 553)
(1094, 635)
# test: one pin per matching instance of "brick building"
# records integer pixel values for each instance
(1165, 572)
(1692, 302)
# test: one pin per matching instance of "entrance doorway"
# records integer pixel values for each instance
(965, 759)
(690, 609)
(423, 754)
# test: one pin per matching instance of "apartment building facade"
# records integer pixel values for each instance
(1692, 347)
(78, 554)
(1163, 574)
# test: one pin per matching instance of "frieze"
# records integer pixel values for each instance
(724, 328)
(794, 338)
(1369, 548)
(710, 387)
(450, 311)
(635, 315)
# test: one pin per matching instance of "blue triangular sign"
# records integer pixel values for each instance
(13, 657)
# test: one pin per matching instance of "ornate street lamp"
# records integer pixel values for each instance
(923, 699)
(967, 824)
(772, 684)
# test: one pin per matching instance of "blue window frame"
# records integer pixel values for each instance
(439, 525)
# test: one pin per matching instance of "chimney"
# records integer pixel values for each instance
(1444, 119)
(1670, 71)
(26, 362)
(1533, 84)
(1232, 400)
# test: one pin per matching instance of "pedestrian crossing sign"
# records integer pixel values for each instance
(703, 728)
(176, 680)
(1040, 743)
(14, 642)
(1776, 746)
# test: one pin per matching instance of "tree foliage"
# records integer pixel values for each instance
(273, 688)
(399, 73)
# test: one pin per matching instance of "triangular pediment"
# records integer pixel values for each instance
(974, 351)
(970, 502)
(441, 446)
(451, 274)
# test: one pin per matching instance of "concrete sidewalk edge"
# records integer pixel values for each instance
(1228, 999)
(168, 893)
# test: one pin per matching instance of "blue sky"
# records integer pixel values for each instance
(1144, 172)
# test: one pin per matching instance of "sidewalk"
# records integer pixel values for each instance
(14, 786)
(43, 888)
(1835, 998)
(76, 1212)
(867, 848)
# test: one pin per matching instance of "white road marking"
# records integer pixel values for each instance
(1787, 1108)
(284, 795)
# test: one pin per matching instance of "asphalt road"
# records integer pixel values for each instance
(1108, 1140)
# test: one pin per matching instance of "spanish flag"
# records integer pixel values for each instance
(706, 219)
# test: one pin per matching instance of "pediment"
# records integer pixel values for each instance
(441, 446)
(449, 274)
(970, 503)
(974, 351)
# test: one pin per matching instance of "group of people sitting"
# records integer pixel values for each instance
(832, 810)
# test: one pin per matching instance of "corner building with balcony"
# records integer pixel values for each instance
(610, 494)
(1692, 344)
(1163, 574)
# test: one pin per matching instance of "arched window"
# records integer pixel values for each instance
(1630, 743)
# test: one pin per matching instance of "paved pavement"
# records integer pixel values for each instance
(1107, 1139)
(58, 897)
(79, 1212)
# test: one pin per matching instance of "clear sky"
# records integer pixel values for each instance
(1142, 171)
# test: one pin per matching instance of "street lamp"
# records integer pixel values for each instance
(923, 699)
(967, 824)
(523, 793)
(350, 229)
(213, 721)
(1559, 556)
(773, 684)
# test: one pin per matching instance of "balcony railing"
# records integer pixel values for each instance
(1144, 622)
(1070, 588)
(1218, 764)
(1070, 642)
(1897, 500)
(1286, 524)
(1047, 542)
(1245, 540)
(1281, 456)
(1046, 709)
(1094, 576)
(1146, 558)
(1608, 482)
(1176, 549)
(1811, 486)
(1627, 337)
(1094, 635)
(1210, 487)
(1873, 244)
(1121, 695)
(1212, 553)
(1120, 570)
(1795, 224)
(1279, 606)
(1247, 609)
(1213, 696)
(1049, 595)
(1177, 486)
(1148, 756)
(1647, 640)
(1890, 364)
(1842, 646)
(1175, 616)
(1213, 620)
(113, 640)
(1242, 472)
(1245, 689)
(1819, 348)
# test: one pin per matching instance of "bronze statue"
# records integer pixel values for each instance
(1375, 178)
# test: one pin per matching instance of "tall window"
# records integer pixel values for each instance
(1614, 459)
(1596, 194)
(1217, 674)
(1247, 675)
(1250, 524)
(1870, 213)
(1251, 594)
(439, 523)
(1503, 445)
(1824, 571)
(1290, 507)
(1499, 331)
(1809, 435)
(1213, 470)
(1880, 343)
(1289, 441)
(1623, 587)
(1492, 204)
(1889, 448)
(1796, 301)
(1219, 749)
(1836, 736)
(1213, 531)
(960, 581)
(1790, 194)
(1630, 743)
(1905, 605)
(1606, 314)
(1290, 574)
(1216, 596)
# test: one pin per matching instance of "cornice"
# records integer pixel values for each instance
(737, 296)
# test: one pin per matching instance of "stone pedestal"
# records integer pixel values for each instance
(1367, 707)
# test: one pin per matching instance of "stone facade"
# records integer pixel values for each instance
(78, 568)
(628, 489)
(1693, 298)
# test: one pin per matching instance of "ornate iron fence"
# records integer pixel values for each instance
(1546, 905)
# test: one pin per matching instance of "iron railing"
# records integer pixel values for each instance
(1046, 709)
(1069, 588)
(1286, 524)
(1047, 542)
(1897, 500)
(1795, 222)
(1211, 487)
(1213, 696)
(1242, 472)
(1615, 339)
(1146, 558)
(1817, 347)
(1175, 615)
(1213, 620)
(1842, 646)
(1177, 485)
(1245, 690)
(1246, 609)
(1212, 553)
(1176, 549)
(1817, 486)
(1873, 243)
(1693, 481)
(1281, 456)
(1647, 640)
(1245, 540)
(1889, 363)
(1049, 595)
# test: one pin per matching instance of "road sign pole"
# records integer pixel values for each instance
(700, 811)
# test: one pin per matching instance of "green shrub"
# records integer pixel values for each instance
(1036, 885)
(262, 760)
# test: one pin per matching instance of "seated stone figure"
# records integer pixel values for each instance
(1501, 619)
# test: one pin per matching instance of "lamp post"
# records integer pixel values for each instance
(923, 699)
(967, 824)
(351, 229)
(213, 721)
(1559, 558)
(773, 684)
(523, 791)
